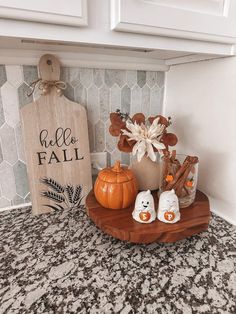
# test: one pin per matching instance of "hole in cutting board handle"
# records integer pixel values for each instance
(49, 62)
(49, 68)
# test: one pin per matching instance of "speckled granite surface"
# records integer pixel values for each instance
(61, 263)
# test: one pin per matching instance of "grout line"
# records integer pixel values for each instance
(15, 207)
(17, 148)
(163, 111)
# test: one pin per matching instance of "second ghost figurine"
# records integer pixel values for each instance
(168, 209)
(144, 208)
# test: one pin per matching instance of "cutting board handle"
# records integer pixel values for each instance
(49, 68)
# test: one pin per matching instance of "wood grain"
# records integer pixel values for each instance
(58, 161)
(120, 224)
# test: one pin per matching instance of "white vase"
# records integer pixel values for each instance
(147, 173)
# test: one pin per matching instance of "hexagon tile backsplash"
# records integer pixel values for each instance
(100, 91)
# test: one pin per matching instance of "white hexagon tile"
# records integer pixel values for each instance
(99, 91)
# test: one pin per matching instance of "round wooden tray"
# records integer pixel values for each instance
(120, 224)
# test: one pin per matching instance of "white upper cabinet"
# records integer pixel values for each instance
(186, 30)
(70, 12)
(208, 20)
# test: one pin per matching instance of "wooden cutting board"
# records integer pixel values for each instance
(55, 136)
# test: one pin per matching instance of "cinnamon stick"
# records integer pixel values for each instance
(179, 187)
(180, 184)
(179, 173)
(166, 161)
(173, 155)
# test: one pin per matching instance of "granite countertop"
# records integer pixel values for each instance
(61, 263)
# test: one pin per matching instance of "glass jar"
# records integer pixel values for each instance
(180, 173)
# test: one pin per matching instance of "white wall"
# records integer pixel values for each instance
(201, 98)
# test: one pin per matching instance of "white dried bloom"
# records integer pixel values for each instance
(146, 138)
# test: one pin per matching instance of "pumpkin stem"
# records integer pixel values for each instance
(117, 167)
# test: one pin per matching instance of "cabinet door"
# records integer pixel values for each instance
(65, 12)
(209, 20)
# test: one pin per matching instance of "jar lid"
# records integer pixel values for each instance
(116, 174)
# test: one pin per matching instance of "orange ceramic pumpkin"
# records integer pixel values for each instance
(116, 187)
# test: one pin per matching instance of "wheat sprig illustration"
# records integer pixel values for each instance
(70, 192)
(77, 194)
(54, 185)
(53, 196)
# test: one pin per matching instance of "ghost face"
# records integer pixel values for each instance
(144, 205)
(144, 202)
(169, 202)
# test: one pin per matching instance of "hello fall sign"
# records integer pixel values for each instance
(55, 135)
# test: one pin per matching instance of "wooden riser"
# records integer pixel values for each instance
(121, 225)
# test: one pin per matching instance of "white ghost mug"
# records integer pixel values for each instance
(144, 208)
(168, 208)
